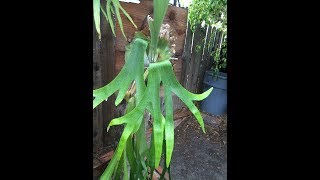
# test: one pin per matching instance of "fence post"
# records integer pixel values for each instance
(97, 112)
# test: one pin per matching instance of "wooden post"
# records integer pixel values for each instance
(196, 57)
(97, 112)
(192, 58)
(205, 60)
(107, 59)
(186, 57)
(103, 59)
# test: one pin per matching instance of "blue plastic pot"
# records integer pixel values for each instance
(216, 102)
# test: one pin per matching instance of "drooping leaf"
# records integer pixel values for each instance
(162, 71)
(131, 120)
(96, 16)
(107, 174)
(126, 14)
(112, 7)
(109, 15)
(170, 81)
(169, 125)
(154, 80)
(132, 70)
(115, 3)
(172, 85)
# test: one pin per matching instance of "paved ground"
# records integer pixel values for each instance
(197, 155)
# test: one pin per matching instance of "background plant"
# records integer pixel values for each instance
(139, 86)
(208, 12)
(203, 13)
(220, 58)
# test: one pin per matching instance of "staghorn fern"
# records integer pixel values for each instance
(132, 150)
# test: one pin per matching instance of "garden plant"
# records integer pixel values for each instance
(134, 158)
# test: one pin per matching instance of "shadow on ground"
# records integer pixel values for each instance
(197, 155)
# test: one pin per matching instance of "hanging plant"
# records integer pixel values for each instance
(133, 158)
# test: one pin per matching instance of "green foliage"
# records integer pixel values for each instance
(112, 8)
(132, 150)
(211, 13)
(133, 66)
(208, 12)
(160, 8)
(220, 58)
(163, 127)
(96, 16)
(198, 48)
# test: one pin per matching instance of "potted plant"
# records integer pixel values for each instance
(216, 103)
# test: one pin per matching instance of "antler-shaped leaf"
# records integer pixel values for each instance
(171, 84)
(132, 70)
(151, 95)
(161, 71)
(169, 80)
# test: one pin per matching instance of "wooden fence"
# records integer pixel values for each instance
(197, 57)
